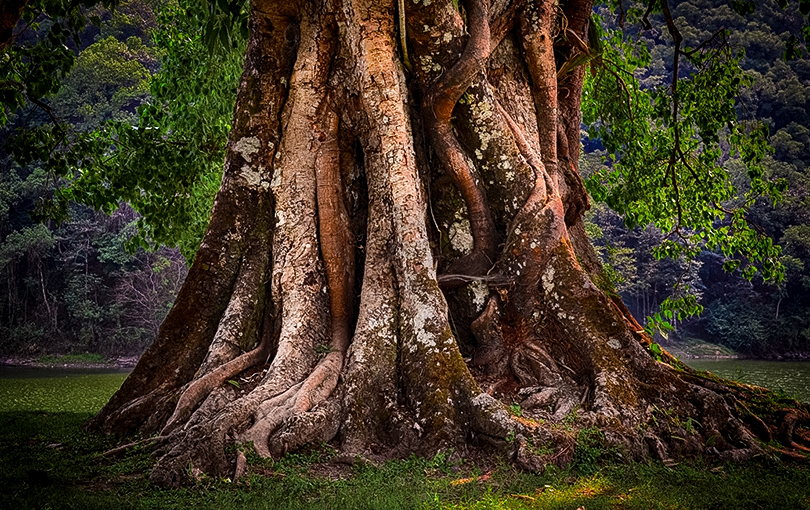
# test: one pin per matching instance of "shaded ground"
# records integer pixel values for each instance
(50, 463)
(54, 465)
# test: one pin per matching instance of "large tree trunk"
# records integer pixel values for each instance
(360, 196)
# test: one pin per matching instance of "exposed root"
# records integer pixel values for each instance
(536, 30)
(440, 99)
(202, 387)
(241, 466)
(548, 338)
(787, 427)
(150, 442)
(543, 186)
(575, 197)
(293, 406)
(297, 401)
(490, 354)
(471, 267)
(502, 20)
(537, 452)
(336, 239)
(239, 326)
(313, 427)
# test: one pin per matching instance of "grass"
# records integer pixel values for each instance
(48, 462)
(84, 393)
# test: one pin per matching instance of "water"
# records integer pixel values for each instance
(792, 377)
(75, 390)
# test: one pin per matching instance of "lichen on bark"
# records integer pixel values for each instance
(325, 293)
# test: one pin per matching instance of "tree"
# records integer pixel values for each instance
(385, 161)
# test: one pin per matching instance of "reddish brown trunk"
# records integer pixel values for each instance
(349, 181)
(187, 331)
(10, 13)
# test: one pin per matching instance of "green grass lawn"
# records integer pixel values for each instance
(48, 462)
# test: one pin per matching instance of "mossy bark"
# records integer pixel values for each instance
(359, 198)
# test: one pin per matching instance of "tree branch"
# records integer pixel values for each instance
(10, 13)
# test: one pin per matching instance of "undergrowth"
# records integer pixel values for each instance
(86, 358)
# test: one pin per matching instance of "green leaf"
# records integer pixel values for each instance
(743, 7)
(730, 265)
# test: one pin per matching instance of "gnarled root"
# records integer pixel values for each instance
(293, 405)
(202, 387)
(387, 372)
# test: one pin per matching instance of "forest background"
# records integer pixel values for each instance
(147, 81)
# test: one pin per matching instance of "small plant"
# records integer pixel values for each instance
(656, 351)
(515, 409)
(323, 349)
(543, 450)
(591, 450)
(570, 419)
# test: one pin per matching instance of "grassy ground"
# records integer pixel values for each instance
(48, 462)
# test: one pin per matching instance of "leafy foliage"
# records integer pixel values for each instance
(72, 287)
(776, 92)
(665, 164)
(164, 158)
(109, 80)
(692, 163)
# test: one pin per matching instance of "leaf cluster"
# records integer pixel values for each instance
(668, 149)
(168, 164)
(34, 68)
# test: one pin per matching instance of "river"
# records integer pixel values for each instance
(792, 377)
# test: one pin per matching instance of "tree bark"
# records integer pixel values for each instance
(10, 14)
(360, 198)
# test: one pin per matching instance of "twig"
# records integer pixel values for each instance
(403, 40)
(152, 441)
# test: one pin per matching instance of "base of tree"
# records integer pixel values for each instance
(707, 417)
(317, 311)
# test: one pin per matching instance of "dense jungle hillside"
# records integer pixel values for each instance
(74, 287)
(771, 320)
(101, 282)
